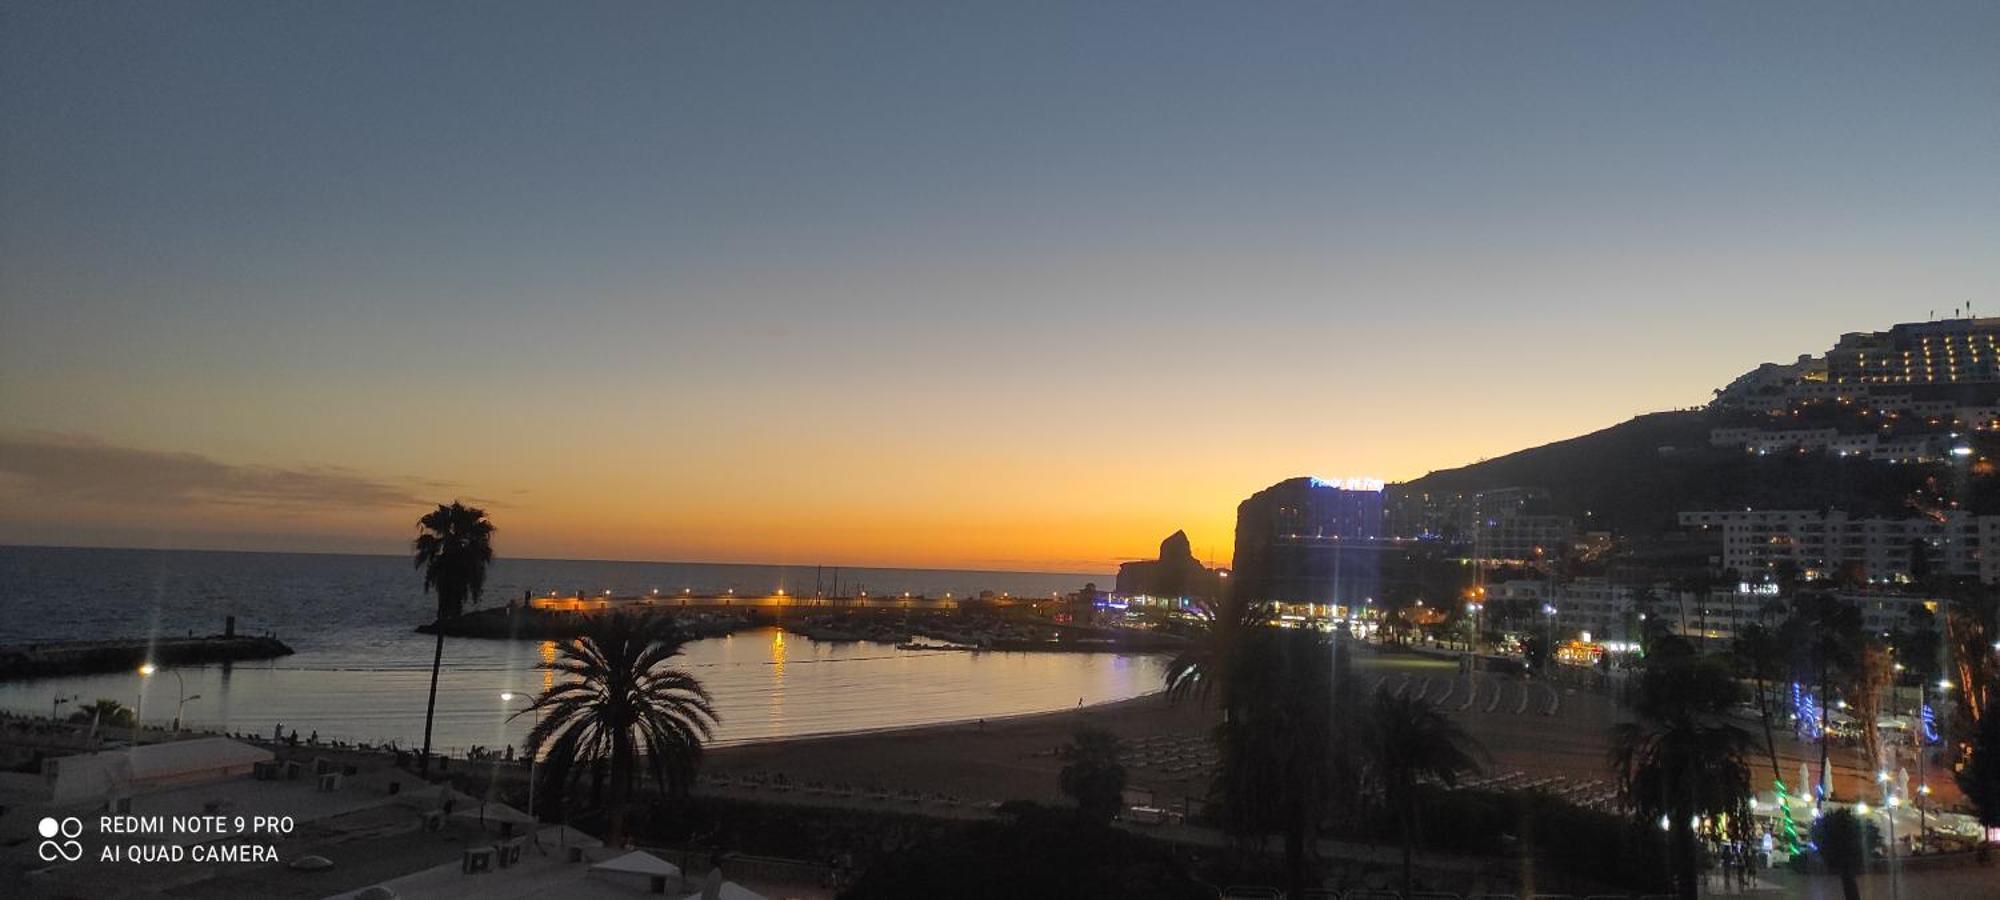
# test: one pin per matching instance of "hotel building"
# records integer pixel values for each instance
(1947, 352)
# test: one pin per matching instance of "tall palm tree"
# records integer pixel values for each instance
(1409, 741)
(1758, 653)
(616, 701)
(1278, 770)
(1219, 630)
(1843, 839)
(454, 548)
(1679, 760)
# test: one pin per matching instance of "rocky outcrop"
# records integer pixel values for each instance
(1175, 574)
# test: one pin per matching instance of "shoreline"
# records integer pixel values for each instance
(910, 730)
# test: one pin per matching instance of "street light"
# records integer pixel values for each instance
(509, 697)
(146, 671)
(180, 686)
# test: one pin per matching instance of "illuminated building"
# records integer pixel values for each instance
(1946, 352)
(1829, 543)
(1309, 541)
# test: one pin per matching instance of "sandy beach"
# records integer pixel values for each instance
(1530, 726)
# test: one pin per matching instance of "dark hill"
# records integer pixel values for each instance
(1636, 476)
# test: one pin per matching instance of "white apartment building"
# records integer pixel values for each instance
(1825, 543)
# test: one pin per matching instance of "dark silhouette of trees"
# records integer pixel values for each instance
(1843, 839)
(1219, 629)
(1760, 654)
(1094, 778)
(1277, 767)
(1679, 759)
(1408, 742)
(617, 703)
(1979, 780)
(453, 548)
(104, 711)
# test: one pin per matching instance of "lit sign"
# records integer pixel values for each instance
(1351, 484)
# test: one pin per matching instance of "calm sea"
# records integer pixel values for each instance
(361, 672)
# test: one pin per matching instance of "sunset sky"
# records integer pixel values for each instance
(1014, 285)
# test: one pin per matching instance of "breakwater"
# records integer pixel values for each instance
(519, 623)
(49, 660)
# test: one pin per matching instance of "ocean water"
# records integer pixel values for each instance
(361, 672)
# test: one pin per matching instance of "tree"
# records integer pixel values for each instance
(453, 549)
(1094, 778)
(1979, 779)
(104, 711)
(1843, 839)
(1759, 654)
(1217, 632)
(1679, 759)
(1867, 679)
(1408, 742)
(616, 703)
(1277, 769)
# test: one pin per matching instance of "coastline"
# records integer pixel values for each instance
(1015, 757)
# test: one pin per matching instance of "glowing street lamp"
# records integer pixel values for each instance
(146, 670)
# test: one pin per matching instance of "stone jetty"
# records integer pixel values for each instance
(57, 658)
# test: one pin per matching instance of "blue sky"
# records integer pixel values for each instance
(1067, 252)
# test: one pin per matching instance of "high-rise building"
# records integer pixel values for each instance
(1946, 352)
(1306, 540)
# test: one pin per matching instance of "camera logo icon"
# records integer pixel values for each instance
(66, 850)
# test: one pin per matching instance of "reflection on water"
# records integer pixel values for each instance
(766, 684)
(777, 715)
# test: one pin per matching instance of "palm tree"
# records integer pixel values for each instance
(1219, 629)
(1759, 654)
(1680, 761)
(1278, 767)
(453, 550)
(1843, 839)
(1094, 778)
(616, 702)
(1408, 742)
(104, 712)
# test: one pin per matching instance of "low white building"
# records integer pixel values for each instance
(148, 767)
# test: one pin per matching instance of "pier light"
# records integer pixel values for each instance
(1944, 684)
(146, 670)
(656, 590)
(781, 592)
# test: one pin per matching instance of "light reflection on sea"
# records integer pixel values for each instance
(361, 674)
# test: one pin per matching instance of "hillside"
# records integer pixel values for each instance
(1634, 477)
